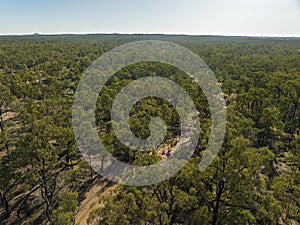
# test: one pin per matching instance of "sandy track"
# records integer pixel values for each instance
(92, 201)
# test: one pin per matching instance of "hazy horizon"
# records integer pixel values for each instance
(166, 34)
(260, 18)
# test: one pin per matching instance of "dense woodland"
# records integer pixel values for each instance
(255, 178)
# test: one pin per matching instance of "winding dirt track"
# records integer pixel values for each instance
(92, 201)
(102, 188)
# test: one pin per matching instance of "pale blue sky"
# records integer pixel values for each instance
(222, 17)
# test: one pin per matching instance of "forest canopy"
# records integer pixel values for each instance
(255, 178)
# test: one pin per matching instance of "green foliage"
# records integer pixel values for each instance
(254, 179)
(67, 207)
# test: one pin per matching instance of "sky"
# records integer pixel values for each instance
(196, 17)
